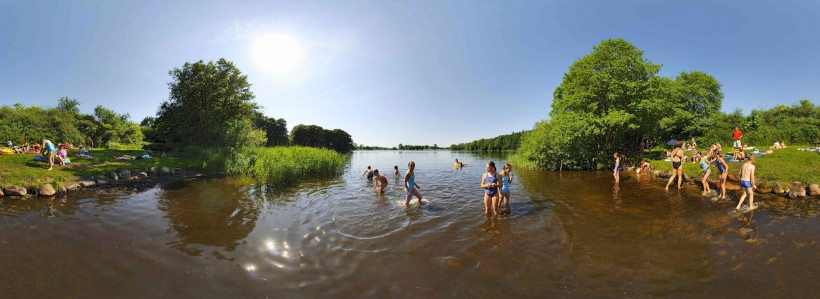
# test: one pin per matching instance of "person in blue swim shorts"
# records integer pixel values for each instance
(747, 183)
(49, 148)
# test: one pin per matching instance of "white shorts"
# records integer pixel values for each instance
(737, 143)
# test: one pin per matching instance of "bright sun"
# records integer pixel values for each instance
(277, 52)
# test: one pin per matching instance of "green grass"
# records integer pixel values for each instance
(280, 165)
(784, 166)
(22, 170)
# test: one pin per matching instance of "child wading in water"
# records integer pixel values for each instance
(395, 172)
(617, 170)
(723, 169)
(368, 172)
(704, 167)
(490, 181)
(747, 182)
(381, 181)
(506, 179)
(410, 185)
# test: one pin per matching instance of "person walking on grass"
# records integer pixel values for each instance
(490, 182)
(48, 148)
(410, 185)
(723, 170)
(677, 167)
(747, 182)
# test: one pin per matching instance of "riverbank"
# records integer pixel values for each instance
(21, 174)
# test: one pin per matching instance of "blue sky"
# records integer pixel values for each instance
(390, 72)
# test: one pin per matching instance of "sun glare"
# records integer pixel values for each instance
(277, 52)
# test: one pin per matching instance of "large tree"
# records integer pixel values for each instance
(208, 102)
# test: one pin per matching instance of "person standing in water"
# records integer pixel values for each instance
(410, 185)
(381, 181)
(723, 170)
(747, 182)
(490, 181)
(677, 161)
(704, 167)
(506, 179)
(368, 172)
(395, 172)
(617, 170)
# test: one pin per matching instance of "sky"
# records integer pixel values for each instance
(417, 72)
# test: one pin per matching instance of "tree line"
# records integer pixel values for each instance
(65, 123)
(211, 105)
(499, 143)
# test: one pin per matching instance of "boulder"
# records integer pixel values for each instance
(85, 184)
(732, 178)
(153, 170)
(797, 190)
(732, 186)
(101, 181)
(763, 189)
(165, 170)
(47, 190)
(814, 189)
(70, 186)
(62, 189)
(125, 174)
(12, 190)
(143, 175)
(778, 189)
(113, 175)
(665, 174)
(1, 192)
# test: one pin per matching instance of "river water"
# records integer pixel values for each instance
(571, 234)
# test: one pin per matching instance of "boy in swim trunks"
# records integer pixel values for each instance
(747, 182)
(368, 172)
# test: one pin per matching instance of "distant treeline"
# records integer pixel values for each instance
(417, 147)
(500, 143)
(65, 123)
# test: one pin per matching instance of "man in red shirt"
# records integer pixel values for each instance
(737, 134)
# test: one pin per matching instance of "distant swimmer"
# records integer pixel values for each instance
(458, 164)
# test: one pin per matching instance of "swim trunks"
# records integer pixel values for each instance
(745, 184)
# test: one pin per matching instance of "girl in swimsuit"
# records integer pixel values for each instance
(381, 181)
(506, 178)
(723, 169)
(490, 183)
(395, 172)
(617, 170)
(704, 167)
(677, 160)
(410, 185)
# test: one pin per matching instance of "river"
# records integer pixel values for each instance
(570, 234)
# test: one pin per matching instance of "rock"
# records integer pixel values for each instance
(732, 186)
(165, 170)
(12, 190)
(1, 192)
(763, 189)
(176, 171)
(814, 189)
(125, 174)
(47, 190)
(665, 174)
(87, 183)
(153, 170)
(797, 190)
(143, 175)
(113, 175)
(101, 181)
(62, 189)
(732, 178)
(710, 193)
(778, 189)
(71, 186)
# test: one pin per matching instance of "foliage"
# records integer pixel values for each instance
(499, 143)
(417, 147)
(280, 165)
(276, 129)
(209, 104)
(65, 123)
(611, 100)
(316, 136)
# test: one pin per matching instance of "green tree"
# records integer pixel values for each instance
(207, 103)
(276, 129)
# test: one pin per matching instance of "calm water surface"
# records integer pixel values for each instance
(569, 235)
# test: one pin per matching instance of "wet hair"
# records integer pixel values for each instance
(368, 166)
(492, 164)
(411, 164)
(396, 167)
(375, 172)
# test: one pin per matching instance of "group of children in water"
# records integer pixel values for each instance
(496, 185)
(715, 155)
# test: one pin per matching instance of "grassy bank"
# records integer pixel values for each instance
(784, 166)
(279, 165)
(22, 170)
